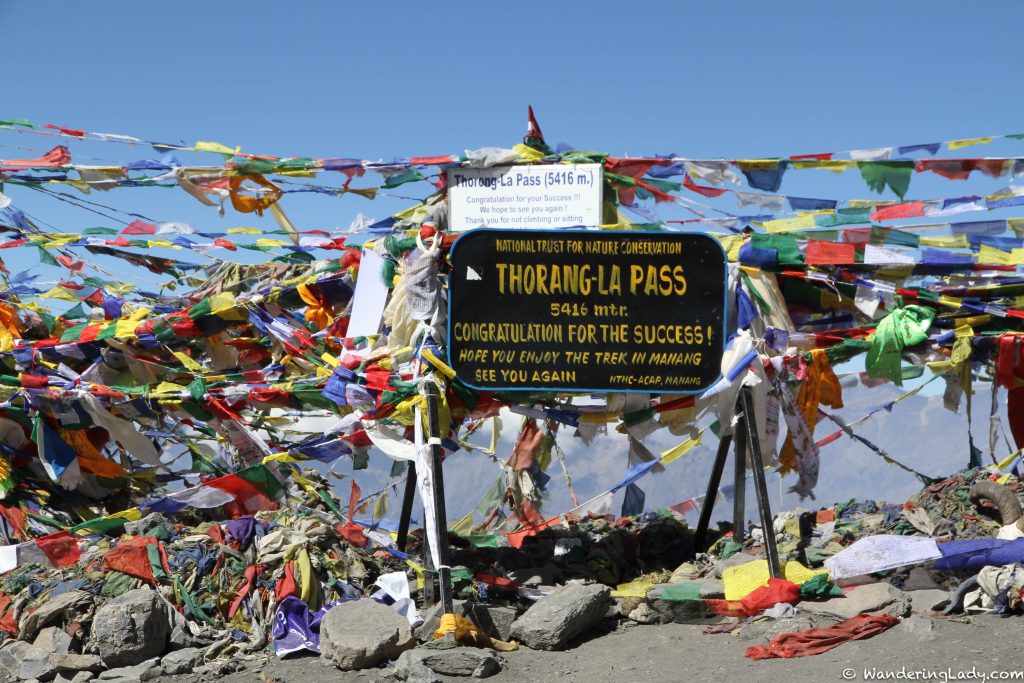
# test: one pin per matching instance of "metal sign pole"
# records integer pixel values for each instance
(746, 441)
(410, 493)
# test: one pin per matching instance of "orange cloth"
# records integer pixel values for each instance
(90, 459)
(246, 204)
(820, 387)
(316, 312)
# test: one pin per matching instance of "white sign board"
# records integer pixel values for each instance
(544, 196)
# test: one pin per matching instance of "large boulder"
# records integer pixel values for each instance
(567, 613)
(131, 628)
(362, 634)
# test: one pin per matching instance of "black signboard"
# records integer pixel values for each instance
(584, 310)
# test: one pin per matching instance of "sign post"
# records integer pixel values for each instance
(582, 311)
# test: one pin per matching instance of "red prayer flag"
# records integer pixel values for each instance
(138, 227)
(702, 189)
(58, 156)
(820, 252)
(61, 548)
(73, 132)
(904, 210)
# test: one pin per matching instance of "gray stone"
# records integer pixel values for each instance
(363, 633)
(131, 628)
(11, 656)
(734, 560)
(920, 579)
(495, 621)
(928, 599)
(80, 677)
(921, 629)
(643, 614)
(143, 671)
(182, 661)
(180, 636)
(674, 611)
(874, 597)
(553, 621)
(74, 605)
(535, 576)
(432, 618)
(767, 629)
(71, 663)
(459, 661)
(711, 588)
(36, 660)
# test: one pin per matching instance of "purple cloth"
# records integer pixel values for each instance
(295, 629)
(975, 554)
(242, 529)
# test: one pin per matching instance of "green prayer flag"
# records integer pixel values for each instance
(903, 327)
(46, 257)
(892, 174)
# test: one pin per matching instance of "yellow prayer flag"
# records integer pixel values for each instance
(216, 147)
(528, 153)
(801, 222)
(834, 165)
(967, 142)
(243, 230)
(676, 452)
(190, 364)
(267, 242)
(958, 241)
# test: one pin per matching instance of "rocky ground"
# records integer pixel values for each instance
(674, 652)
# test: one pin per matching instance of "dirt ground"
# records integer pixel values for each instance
(985, 649)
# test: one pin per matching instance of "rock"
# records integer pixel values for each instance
(432, 618)
(553, 621)
(458, 661)
(363, 633)
(80, 677)
(54, 639)
(143, 671)
(643, 614)
(625, 606)
(35, 661)
(921, 629)
(535, 576)
(71, 606)
(733, 560)
(679, 611)
(928, 599)
(920, 579)
(131, 628)
(495, 621)
(874, 597)
(767, 629)
(712, 588)
(72, 663)
(180, 635)
(182, 661)
(11, 656)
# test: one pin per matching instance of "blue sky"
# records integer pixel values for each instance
(376, 80)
